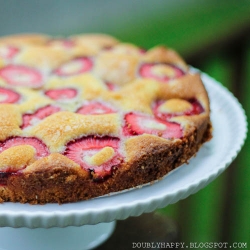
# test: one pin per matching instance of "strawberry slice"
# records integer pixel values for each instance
(8, 96)
(160, 71)
(95, 108)
(30, 119)
(61, 94)
(40, 147)
(177, 107)
(137, 124)
(197, 108)
(75, 67)
(112, 86)
(142, 51)
(19, 75)
(99, 155)
(8, 52)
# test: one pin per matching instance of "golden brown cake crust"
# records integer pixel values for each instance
(87, 115)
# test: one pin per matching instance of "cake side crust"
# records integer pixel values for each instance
(54, 183)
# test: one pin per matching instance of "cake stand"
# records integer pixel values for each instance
(86, 224)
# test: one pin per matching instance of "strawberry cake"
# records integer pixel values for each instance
(88, 115)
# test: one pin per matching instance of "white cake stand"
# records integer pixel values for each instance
(86, 224)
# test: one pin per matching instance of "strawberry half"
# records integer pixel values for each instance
(19, 75)
(30, 119)
(111, 86)
(8, 96)
(163, 109)
(61, 94)
(8, 52)
(197, 108)
(137, 124)
(99, 155)
(40, 147)
(160, 71)
(95, 108)
(75, 67)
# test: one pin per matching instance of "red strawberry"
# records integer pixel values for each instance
(61, 94)
(143, 51)
(94, 108)
(160, 71)
(111, 86)
(194, 108)
(8, 52)
(40, 147)
(136, 124)
(197, 108)
(19, 75)
(99, 155)
(29, 119)
(74, 67)
(8, 96)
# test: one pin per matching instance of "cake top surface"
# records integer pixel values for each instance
(94, 93)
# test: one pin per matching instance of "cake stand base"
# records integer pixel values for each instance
(68, 238)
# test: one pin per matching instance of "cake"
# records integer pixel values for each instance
(88, 115)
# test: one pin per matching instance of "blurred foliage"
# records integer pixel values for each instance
(212, 214)
(188, 27)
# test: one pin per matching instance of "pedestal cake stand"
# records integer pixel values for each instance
(86, 224)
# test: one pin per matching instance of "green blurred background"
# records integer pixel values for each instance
(213, 36)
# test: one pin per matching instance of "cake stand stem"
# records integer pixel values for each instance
(68, 238)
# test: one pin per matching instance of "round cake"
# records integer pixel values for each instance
(88, 115)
